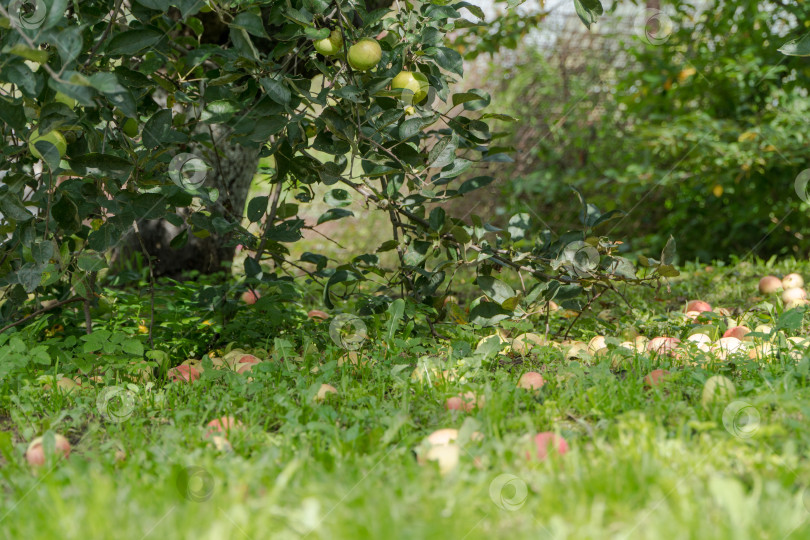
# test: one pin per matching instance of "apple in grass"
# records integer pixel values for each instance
(324, 392)
(793, 294)
(717, 389)
(35, 454)
(770, 285)
(466, 402)
(317, 315)
(524, 343)
(738, 332)
(655, 377)
(697, 305)
(184, 373)
(596, 343)
(547, 443)
(792, 281)
(663, 345)
(531, 380)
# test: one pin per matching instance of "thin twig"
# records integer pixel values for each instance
(43, 310)
(106, 33)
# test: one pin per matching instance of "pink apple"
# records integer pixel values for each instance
(794, 293)
(224, 424)
(466, 402)
(698, 305)
(655, 377)
(531, 380)
(770, 285)
(317, 314)
(184, 373)
(663, 345)
(548, 439)
(738, 332)
(35, 454)
(792, 281)
(250, 297)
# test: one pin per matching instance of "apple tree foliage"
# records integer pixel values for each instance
(132, 86)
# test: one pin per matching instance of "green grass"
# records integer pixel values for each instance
(643, 463)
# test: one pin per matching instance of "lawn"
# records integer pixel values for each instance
(642, 461)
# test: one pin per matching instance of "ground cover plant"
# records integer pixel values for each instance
(173, 364)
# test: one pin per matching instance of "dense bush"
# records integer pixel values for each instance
(704, 121)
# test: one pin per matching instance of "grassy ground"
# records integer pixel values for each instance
(643, 463)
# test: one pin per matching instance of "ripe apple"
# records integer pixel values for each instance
(548, 439)
(35, 454)
(698, 305)
(330, 46)
(446, 456)
(738, 332)
(576, 349)
(717, 389)
(466, 402)
(412, 81)
(793, 293)
(700, 339)
(655, 377)
(365, 54)
(792, 281)
(53, 137)
(250, 297)
(526, 342)
(324, 391)
(224, 424)
(531, 380)
(770, 285)
(596, 343)
(184, 373)
(442, 436)
(663, 345)
(317, 315)
(726, 346)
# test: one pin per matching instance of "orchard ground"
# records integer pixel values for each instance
(642, 462)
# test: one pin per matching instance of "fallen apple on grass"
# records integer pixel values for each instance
(717, 389)
(770, 285)
(531, 380)
(184, 373)
(792, 281)
(663, 345)
(738, 332)
(466, 402)
(792, 294)
(548, 442)
(697, 305)
(524, 343)
(655, 377)
(726, 347)
(324, 392)
(596, 343)
(35, 454)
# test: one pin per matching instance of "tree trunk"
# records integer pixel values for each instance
(231, 172)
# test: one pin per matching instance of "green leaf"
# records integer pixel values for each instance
(488, 314)
(495, 289)
(443, 152)
(12, 207)
(105, 165)
(474, 183)
(91, 262)
(276, 90)
(667, 270)
(132, 346)
(337, 198)
(250, 22)
(669, 252)
(447, 59)
(66, 214)
(333, 214)
(796, 47)
(158, 130)
(133, 41)
(257, 207)
(35, 55)
(588, 11)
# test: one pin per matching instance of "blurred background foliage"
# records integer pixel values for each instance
(688, 118)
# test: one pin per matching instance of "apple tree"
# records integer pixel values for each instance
(116, 115)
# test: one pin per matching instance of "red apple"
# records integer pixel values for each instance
(698, 305)
(317, 314)
(655, 377)
(546, 439)
(738, 332)
(770, 285)
(224, 424)
(466, 402)
(531, 380)
(250, 297)
(663, 345)
(792, 281)
(35, 454)
(184, 373)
